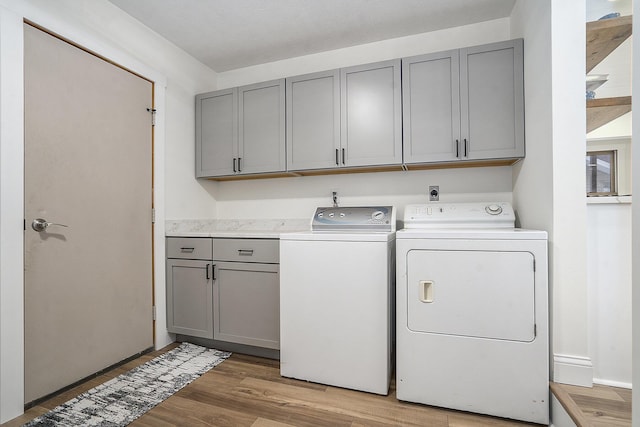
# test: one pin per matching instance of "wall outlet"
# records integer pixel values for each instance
(434, 193)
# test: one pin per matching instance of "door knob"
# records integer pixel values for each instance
(41, 225)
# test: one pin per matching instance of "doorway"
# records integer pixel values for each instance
(88, 179)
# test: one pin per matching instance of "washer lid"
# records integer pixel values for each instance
(460, 215)
(362, 218)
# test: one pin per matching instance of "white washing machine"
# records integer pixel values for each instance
(336, 299)
(472, 311)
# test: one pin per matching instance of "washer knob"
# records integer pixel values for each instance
(493, 209)
(377, 215)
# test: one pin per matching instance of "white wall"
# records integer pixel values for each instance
(549, 187)
(452, 38)
(609, 282)
(298, 197)
(102, 28)
(635, 221)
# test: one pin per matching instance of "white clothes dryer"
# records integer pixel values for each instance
(472, 311)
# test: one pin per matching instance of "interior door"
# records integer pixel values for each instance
(88, 166)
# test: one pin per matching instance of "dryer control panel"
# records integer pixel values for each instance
(460, 215)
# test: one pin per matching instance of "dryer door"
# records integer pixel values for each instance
(483, 294)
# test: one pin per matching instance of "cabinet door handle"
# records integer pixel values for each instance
(337, 161)
(457, 148)
(213, 271)
(187, 250)
(465, 147)
(343, 156)
(234, 165)
(245, 252)
(239, 159)
(207, 271)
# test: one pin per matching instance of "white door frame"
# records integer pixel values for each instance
(12, 188)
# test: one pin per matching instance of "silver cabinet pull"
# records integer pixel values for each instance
(187, 250)
(245, 252)
(41, 225)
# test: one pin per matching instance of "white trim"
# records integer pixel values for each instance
(612, 383)
(11, 188)
(11, 216)
(609, 200)
(559, 415)
(574, 370)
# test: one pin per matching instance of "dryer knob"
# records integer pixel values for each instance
(493, 209)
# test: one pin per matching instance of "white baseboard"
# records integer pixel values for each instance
(612, 383)
(574, 370)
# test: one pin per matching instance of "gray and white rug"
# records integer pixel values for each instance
(121, 400)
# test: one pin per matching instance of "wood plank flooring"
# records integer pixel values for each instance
(249, 391)
(600, 406)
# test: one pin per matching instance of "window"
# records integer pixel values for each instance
(601, 173)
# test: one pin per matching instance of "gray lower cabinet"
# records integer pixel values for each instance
(241, 130)
(465, 104)
(190, 286)
(247, 292)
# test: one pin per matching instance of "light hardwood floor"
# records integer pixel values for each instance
(600, 406)
(249, 391)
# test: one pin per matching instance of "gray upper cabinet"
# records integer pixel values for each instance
(241, 130)
(371, 115)
(464, 104)
(313, 120)
(216, 132)
(492, 94)
(431, 113)
(261, 123)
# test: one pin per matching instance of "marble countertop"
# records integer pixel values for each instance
(250, 229)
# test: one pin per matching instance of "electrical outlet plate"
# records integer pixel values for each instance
(434, 193)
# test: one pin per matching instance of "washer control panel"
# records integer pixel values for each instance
(460, 215)
(358, 218)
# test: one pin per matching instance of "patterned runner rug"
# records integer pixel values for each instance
(121, 400)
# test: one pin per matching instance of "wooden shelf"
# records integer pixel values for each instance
(603, 37)
(603, 110)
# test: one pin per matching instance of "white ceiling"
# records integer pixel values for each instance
(230, 34)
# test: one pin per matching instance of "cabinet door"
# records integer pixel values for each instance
(491, 89)
(216, 132)
(313, 121)
(261, 121)
(190, 297)
(247, 304)
(431, 107)
(371, 125)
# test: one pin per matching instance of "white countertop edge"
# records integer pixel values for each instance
(243, 234)
(243, 229)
